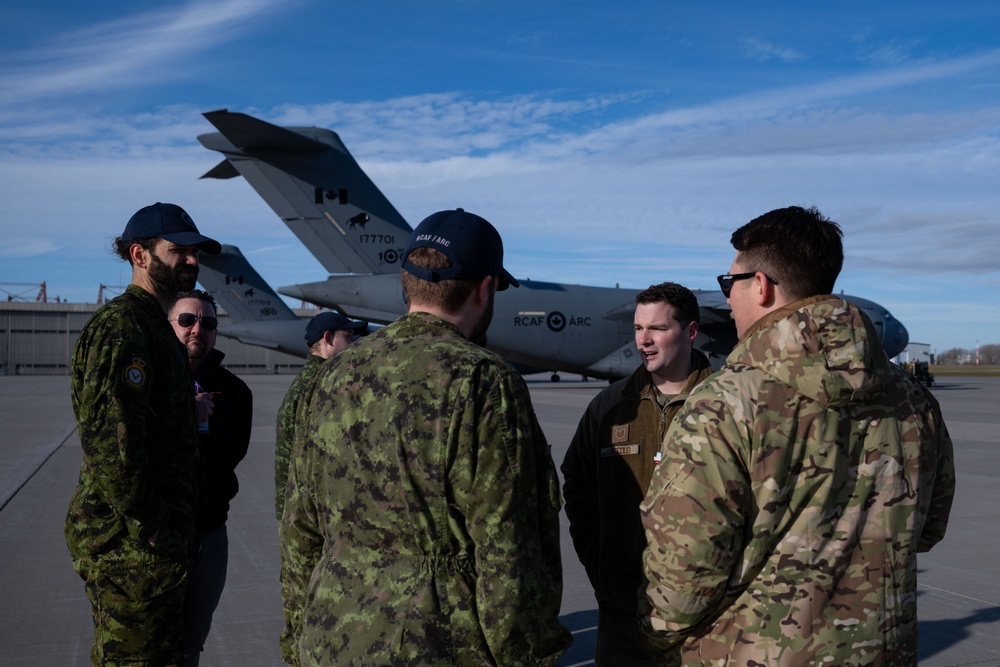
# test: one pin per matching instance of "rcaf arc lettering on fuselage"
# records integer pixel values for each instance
(555, 321)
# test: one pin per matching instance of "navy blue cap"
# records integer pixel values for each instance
(471, 244)
(330, 321)
(169, 222)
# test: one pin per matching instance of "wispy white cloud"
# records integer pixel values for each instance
(273, 248)
(26, 247)
(591, 189)
(763, 50)
(120, 53)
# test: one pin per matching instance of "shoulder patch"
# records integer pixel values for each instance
(134, 374)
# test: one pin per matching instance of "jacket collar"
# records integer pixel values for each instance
(639, 385)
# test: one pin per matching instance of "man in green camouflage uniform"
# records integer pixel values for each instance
(132, 522)
(421, 523)
(327, 334)
(612, 457)
(799, 482)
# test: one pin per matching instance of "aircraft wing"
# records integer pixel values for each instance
(311, 181)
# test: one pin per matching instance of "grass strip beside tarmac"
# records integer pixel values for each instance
(966, 370)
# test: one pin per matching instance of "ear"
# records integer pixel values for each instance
(138, 256)
(692, 331)
(766, 295)
(486, 286)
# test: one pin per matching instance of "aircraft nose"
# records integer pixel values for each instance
(896, 337)
(891, 331)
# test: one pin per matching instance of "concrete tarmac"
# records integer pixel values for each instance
(45, 616)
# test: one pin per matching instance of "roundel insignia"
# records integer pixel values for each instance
(556, 321)
(134, 374)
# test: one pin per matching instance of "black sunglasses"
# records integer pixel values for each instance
(187, 320)
(726, 281)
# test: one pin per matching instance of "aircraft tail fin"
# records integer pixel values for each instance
(239, 289)
(308, 177)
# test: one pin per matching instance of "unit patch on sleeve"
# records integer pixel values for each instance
(134, 374)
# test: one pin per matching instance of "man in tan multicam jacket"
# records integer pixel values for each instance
(798, 483)
(421, 523)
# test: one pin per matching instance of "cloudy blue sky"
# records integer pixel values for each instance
(611, 143)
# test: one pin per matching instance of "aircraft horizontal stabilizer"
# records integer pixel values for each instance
(223, 170)
(247, 133)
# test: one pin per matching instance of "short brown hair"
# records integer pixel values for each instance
(201, 295)
(683, 300)
(446, 294)
(800, 248)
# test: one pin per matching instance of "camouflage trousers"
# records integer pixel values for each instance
(137, 607)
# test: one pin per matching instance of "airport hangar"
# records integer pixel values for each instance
(37, 338)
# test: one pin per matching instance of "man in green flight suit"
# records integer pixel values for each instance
(611, 459)
(132, 522)
(421, 525)
(327, 334)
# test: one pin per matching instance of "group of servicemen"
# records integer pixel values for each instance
(767, 514)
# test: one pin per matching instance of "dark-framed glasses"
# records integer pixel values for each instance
(187, 320)
(726, 281)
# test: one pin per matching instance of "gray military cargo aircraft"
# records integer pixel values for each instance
(311, 181)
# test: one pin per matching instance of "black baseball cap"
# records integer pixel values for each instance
(169, 222)
(330, 321)
(471, 244)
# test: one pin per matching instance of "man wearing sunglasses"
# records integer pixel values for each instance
(799, 482)
(225, 413)
(132, 521)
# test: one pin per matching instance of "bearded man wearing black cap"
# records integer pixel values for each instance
(132, 522)
(421, 525)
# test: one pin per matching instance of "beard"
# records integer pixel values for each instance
(197, 347)
(478, 333)
(171, 280)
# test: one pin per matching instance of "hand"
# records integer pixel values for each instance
(204, 404)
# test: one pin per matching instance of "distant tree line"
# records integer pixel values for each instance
(989, 355)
